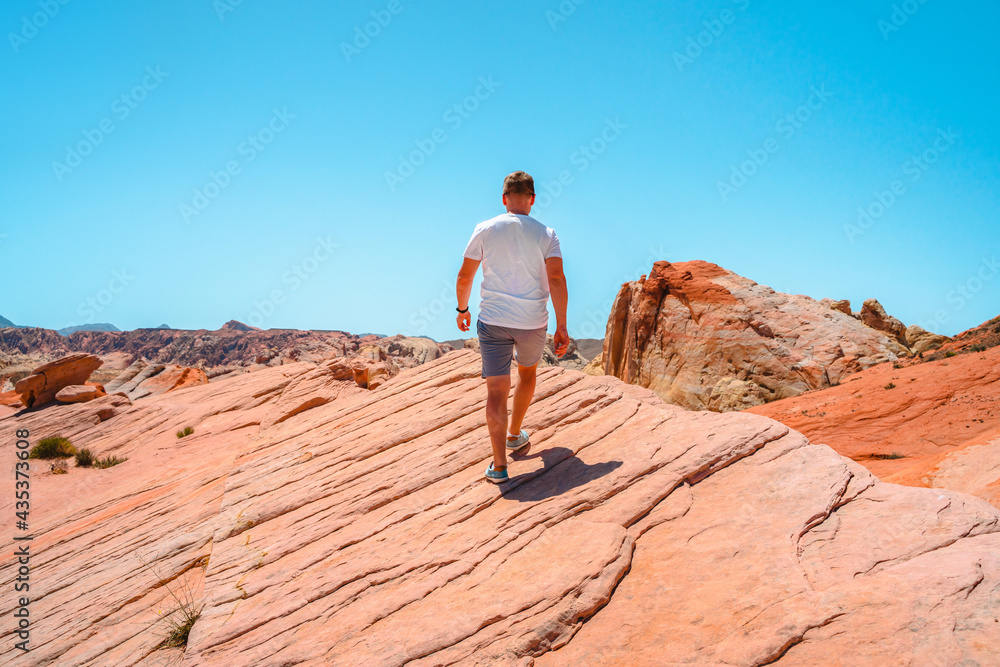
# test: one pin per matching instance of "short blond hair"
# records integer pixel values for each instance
(519, 183)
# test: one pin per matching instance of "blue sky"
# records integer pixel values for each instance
(196, 161)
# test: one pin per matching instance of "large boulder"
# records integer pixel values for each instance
(79, 393)
(689, 325)
(874, 316)
(919, 339)
(45, 381)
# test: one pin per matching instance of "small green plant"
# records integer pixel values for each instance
(883, 457)
(56, 447)
(950, 353)
(978, 348)
(186, 431)
(181, 619)
(84, 458)
(891, 385)
(108, 461)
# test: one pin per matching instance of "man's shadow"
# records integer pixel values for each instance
(561, 471)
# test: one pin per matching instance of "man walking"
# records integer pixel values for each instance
(522, 267)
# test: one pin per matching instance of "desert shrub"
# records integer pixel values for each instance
(187, 430)
(56, 447)
(181, 618)
(84, 458)
(897, 365)
(891, 385)
(883, 457)
(108, 461)
(950, 353)
(978, 348)
(59, 467)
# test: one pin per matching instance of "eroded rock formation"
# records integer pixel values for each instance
(703, 337)
(45, 381)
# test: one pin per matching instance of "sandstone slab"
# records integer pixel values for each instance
(912, 424)
(361, 531)
(79, 393)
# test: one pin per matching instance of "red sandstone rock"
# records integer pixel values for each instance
(79, 393)
(986, 335)
(360, 532)
(11, 398)
(172, 378)
(874, 316)
(690, 326)
(939, 417)
(42, 385)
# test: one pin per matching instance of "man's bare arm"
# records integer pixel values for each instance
(560, 298)
(463, 290)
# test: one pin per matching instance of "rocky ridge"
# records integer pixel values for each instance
(703, 337)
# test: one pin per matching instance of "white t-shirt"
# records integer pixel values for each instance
(515, 288)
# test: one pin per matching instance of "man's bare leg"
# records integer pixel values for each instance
(497, 393)
(523, 393)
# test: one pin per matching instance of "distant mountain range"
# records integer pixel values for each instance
(97, 326)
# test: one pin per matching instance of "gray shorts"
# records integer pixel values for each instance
(497, 342)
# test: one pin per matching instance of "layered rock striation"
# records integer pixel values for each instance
(311, 522)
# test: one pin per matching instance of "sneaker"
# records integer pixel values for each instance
(522, 441)
(496, 476)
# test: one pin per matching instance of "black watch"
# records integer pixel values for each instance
(462, 311)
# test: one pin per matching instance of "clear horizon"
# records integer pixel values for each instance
(317, 167)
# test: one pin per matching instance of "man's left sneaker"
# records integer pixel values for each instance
(522, 441)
